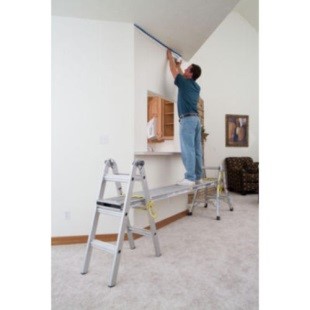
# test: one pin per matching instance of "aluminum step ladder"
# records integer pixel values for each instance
(221, 193)
(120, 209)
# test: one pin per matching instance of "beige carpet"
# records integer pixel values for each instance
(205, 264)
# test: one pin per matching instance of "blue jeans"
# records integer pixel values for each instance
(190, 138)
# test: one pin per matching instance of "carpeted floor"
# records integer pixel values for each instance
(205, 264)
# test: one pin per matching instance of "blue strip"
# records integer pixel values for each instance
(161, 43)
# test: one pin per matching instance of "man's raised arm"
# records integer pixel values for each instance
(175, 68)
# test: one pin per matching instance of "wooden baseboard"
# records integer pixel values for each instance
(112, 237)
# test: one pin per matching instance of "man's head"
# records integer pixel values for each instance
(192, 72)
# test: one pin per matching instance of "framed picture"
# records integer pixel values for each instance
(237, 130)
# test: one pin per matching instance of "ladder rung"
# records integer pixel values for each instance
(141, 231)
(109, 211)
(117, 177)
(103, 246)
(110, 203)
(121, 177)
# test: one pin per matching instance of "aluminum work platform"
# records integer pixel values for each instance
(159, 193)
(120, 205)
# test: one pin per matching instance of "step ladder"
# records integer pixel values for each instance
(120, 208)
(220, 194)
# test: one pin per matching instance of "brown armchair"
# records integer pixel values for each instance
(242, 175)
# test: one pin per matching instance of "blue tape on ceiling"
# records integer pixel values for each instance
(161, 43)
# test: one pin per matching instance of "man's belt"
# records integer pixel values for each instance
(188, 114)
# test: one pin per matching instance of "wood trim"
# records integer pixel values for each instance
(112, 237)
(171, 219)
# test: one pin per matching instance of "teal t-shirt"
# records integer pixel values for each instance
(188, 95)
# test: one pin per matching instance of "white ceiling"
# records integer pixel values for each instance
(183, 25)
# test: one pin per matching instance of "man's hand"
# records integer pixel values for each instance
(174, 69)
(178, 63)
(169, 54)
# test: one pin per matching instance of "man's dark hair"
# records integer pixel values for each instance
(196, 70)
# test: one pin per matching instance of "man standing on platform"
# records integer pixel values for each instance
(190, 127)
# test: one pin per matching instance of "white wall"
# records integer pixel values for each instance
(92, 115)
(229, 82)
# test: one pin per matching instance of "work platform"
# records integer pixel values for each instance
(120, 206)
(159, 193)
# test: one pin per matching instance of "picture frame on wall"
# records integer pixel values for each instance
(237, 130)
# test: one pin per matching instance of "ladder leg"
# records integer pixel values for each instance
(218, 205)
(217, 201)
(118, 251)
(226, 192)
(115, 265)
(146, 191)
(115, 171)
(154, 234)
(192, 205)
(121, 233)
(90, 239)
(130, 235)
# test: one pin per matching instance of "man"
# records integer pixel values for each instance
(190, 127)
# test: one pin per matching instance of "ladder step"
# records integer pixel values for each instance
(111, 203)
(141, 231)
(103, 246)
(119, 177)
(109, 211)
